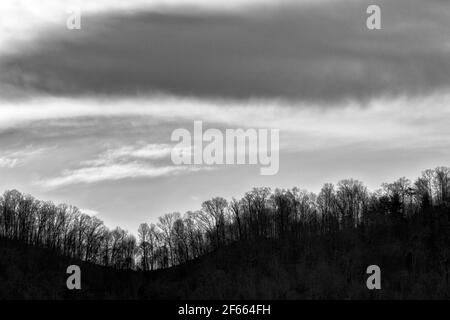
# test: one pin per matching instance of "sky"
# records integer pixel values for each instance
(86, 116)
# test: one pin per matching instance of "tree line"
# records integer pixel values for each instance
(284, 214)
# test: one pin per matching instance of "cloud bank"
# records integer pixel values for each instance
(319, 52)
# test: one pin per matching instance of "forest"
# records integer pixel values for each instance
(404, 227)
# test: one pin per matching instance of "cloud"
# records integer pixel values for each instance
(15, 158)
(127, 154)
(7, 162)
(319, 52)
(402, 123)
(404, 120)
(146, 151)
(112, 172)
(22, 19)
(89, 212)
(122, 163)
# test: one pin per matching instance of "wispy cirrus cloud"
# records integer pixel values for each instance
(140, 151)
(111, 172)
(127, 162)
(16, 158)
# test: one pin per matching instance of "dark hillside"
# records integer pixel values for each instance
(316, 268)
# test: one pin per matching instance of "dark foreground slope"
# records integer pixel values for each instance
(313, 268)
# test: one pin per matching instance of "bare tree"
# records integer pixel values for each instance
(166, 223)
(215, 208)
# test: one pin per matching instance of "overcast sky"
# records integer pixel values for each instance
(86, 115)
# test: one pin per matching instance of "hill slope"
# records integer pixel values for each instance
(263, 270)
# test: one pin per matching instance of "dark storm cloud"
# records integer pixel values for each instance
(309, 52)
